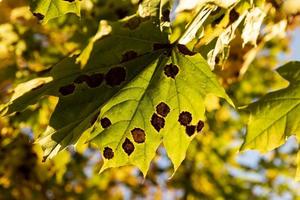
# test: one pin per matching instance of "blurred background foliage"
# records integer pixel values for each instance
(213, 168)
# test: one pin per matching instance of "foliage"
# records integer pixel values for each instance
(126, 82)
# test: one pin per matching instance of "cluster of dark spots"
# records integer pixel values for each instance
(105, 122)
(158, 46)
(129, 55)
(95, 80)
(39, 16)
(190, 130)
(233, 15)
(133, 23)
(184, 50)
(128, 146)
(165, 16)
(185, 118)
(138, 135)
(94, 118)
(108, 153)
(115, 76)
(171, 70)
(162, 109)
(38, 87)
(157, 122)
(70, 1)
(66, 90)
(81, 79)
(217, 20)
(200, 126)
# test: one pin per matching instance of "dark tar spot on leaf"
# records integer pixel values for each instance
(39, 16)
(68, 89)
(128, 146)
(129, 55)
(171, 70)
(190, 130)
(185, 118)
(184, 50)
(158, 46)
(218, 20)
(133, 23)
(200, 126)
(70, 1)
(94, 118)
(165, 15)
(82, 78)
(105, 122)
(95, 80)
(162, 109)
(138, 135)
(233, 15)
(115, 76)
(108, 153)
(157, 122)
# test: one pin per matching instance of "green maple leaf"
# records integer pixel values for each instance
(45, 10)
(135, 92)
(276, 116)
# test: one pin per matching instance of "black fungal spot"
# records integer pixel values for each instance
(171, 70)
(105, 122)
(158, 46)
(129, 55)
(138, 135)
(162, 109)
(70, 1)
(94, 118)
(233, 15)
(39, 16)
(115, 76)
(95, 80)
(37, 87)
(165, 15)
(184, 50)
(200, 126)
(128, 146)
(218, 20)
(185, 118)
(190, 130)
(66, 90)
(157, 122)
(133, 23)
(108, 153)
(82, 78)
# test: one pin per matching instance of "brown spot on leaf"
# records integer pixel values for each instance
(129, 55)
(138, 135)
(133, 23)
(171, 70)
(128, 146)
(115, 76)
(184, 50)
(68, 89)
(185, 118)
(82, 78)
(105, 122)
(190, 130)
(39, 16)
(233, 15)
(108, 153)
(95, 80)
(157, 122)
(200, 126)
(165, 15)
(94, 118)
(162, 109)
(158, 46)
